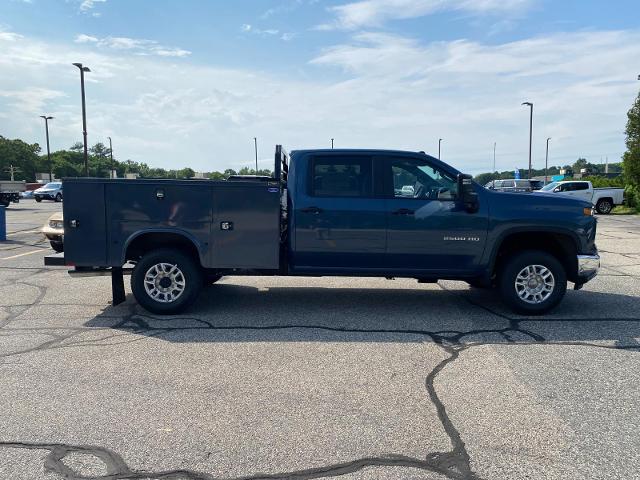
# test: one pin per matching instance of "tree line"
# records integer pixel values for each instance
(26, 160)
(594, 169)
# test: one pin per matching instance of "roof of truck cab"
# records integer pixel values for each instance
(381, 152)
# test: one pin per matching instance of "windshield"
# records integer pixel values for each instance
(53, 185)
(549, 187)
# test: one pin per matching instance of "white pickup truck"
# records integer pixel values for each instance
(604, 199)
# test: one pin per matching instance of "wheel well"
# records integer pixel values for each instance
(151, 241)
(605, 198)
(561, 246)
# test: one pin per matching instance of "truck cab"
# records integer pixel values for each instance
(380, 213)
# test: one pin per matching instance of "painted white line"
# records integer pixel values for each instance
(22, 254)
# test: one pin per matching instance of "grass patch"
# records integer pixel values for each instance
(624, 210)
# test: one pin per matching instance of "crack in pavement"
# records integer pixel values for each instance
(455, 464)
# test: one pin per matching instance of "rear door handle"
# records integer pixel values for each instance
(403, 211)
(312, 210)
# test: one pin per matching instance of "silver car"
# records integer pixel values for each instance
(51, 191)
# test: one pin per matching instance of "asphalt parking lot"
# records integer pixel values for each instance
(290, 378)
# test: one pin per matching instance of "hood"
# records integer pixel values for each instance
(537, 198)
(56, 216)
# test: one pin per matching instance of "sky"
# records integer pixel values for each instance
(191, 83)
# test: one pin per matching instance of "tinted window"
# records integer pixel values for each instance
(341, 177)
(580, 186)
(523, 184)
(415, 178)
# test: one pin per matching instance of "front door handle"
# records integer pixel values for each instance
(403, 211)
(312, 210)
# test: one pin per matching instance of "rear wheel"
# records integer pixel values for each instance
(38, 199)
(532, 282)
(58, 197)
(166, 281)
(604, 206)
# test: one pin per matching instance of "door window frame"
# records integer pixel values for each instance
(385, 172)
(312, 167)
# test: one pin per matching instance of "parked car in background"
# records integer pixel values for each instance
(604, 199)
(27, 194)
(536, 184)
(510, 185)
(10, 192)
(51, 191)
(54, 231)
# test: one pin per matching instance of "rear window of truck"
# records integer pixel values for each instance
(341, 177)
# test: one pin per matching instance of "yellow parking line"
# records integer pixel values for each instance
(21, 254)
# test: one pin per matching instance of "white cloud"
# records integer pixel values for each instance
(368, 13)
(87, 5)
(246, 28)
(136, 45)
(388, 92)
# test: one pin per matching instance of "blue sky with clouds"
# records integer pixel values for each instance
(192, 82)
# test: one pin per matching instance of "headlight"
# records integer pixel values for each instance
(57, 224)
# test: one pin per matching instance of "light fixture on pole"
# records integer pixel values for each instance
(546, 162)
(530, 105)
(84, 69)
(46, 127)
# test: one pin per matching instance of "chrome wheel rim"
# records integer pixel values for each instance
(605, 207)
(534, 284)
(164, 282)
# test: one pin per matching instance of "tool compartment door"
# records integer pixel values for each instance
(246, 226)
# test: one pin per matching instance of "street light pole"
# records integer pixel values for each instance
(84, 116)
(439, 143)
(255, 141)
(494, 156)
(332, 144)
(46, 127)
(111, 153)
(530, 131)
(546, 162)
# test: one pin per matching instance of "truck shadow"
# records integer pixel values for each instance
(452, 315)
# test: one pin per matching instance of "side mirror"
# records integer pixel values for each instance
(467, 193)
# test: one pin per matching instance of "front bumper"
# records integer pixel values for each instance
(588, 266)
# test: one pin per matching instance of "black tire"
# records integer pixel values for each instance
(191, 277)
(604, 206)
(58, 198)
(516, 264)
(4, 203)
(57, 246)
(38, 199)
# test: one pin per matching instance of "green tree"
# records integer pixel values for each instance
(20, 155)
(631, 158)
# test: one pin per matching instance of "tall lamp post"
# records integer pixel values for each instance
(255, 142)
(46, 127)
(494, 156)
(546, 162)
(84, 69)
(111, 153)
(439, 143)
(332, 144)
(530, 105)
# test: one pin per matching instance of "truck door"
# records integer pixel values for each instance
(428, 228)
(582, 191)
(339, 225)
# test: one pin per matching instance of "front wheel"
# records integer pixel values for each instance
(166, 281)
(604, 206)
(532, 282)
(38, 199)
(58, 198)
(57, 246)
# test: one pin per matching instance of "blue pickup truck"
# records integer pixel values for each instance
(375, 213)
